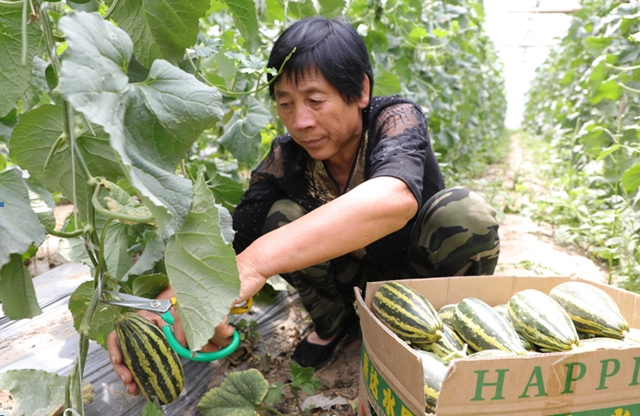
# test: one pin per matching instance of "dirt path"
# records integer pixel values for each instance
(528, 248)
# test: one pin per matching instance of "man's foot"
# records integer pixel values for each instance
(316, 352)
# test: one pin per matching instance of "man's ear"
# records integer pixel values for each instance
(363, 100)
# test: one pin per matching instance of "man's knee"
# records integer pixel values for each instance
(282, 212)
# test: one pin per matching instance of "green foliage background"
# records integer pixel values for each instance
(583, 111)
(149, 116)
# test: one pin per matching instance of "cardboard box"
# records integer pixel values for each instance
(594, 383)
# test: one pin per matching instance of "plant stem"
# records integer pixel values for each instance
(269, 409)
(107, 14)
(47, 31)
(53, 150)
(25, 37)
(63, 234)
(626, 87)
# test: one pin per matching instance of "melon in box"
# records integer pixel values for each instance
(602, 382)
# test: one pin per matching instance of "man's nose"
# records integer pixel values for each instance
(303, 118)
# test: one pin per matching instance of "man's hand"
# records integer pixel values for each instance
(220, 339)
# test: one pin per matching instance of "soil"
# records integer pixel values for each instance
(527, 248)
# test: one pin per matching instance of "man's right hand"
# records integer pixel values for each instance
(220, 339)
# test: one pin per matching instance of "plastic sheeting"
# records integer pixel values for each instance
(49, 342)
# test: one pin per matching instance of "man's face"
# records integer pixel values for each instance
(317, 117)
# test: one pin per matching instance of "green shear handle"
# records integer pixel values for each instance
(198, 356)
(162, 307)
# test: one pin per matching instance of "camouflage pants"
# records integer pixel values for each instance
(456, 234)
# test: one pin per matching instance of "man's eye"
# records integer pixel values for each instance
(284, 105)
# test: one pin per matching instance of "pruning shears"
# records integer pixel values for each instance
(162, 307)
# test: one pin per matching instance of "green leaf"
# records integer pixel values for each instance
(17, 294)
(417, 33)
(160, 29)
(32, 142)
(7, 123)
(239, 395)
(631, 179)
(331, 8)
(36, 392)
(303, 378)
(377, 41)
(206, 47)
(151, 125)
(606, 152)
(386, 83)
(198, 256)
(609, 90)
(153, 252)
(226, 191)
(242, 133)
(14, 77)
(102, 321)
(244, 17)
(440, 33)
(152, 409)
(19, 225)
(120, 202)
(74, 251)
(249, 64)
(299, 9)
(150, 285)
(275, 11)
(275, 392)
(597, 44)
(43, 211)
(116, 255)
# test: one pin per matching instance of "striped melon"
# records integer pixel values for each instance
(449, 346)
(504, 311)
(601, 343)
(633, 336)
(155, 366)
(407, 313)
(481, 355)
(483, 328)
(591, 309)
(446, 314)
(434, 370)
(541, 320)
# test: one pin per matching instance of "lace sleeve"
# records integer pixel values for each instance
(400, 147)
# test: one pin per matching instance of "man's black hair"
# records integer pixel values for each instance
(332, 47)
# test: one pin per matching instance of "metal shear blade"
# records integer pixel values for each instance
(158, 306)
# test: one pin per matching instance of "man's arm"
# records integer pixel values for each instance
(370, 211)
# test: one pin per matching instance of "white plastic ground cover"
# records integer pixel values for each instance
(50, 342)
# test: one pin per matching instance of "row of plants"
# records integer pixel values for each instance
(150, 130)
(583, 114)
